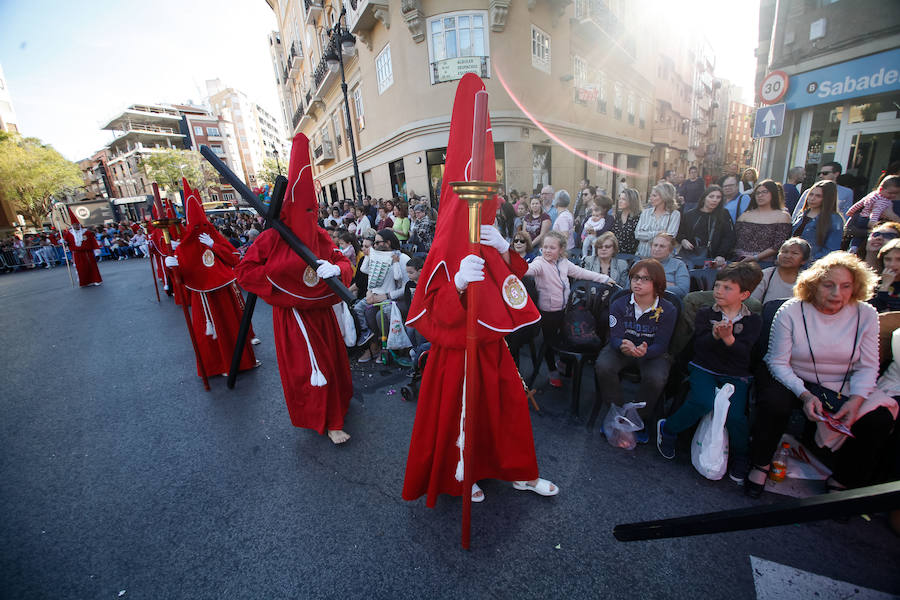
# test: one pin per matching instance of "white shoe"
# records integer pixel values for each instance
(255, 341)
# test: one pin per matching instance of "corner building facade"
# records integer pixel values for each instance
(581, 69)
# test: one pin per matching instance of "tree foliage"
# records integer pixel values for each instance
(269, 172)
(166, 169)
(31, 173)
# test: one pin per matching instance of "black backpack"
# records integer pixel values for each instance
(585, 325)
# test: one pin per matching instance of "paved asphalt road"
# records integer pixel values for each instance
(119, 473)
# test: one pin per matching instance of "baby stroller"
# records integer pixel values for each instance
(410, 391)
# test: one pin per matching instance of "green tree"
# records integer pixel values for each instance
(31, 173)
(269, 172)
(167, 167)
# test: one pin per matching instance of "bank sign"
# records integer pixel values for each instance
(865, 76)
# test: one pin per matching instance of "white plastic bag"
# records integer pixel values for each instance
(709, 449)
(397, 338)
(346, 323)
(620, 424)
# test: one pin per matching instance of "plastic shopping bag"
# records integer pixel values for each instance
(397, 338)
(346, 323)
(620, 424)
(709, 449)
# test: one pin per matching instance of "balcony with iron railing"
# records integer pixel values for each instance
(295, 58)
(591, 15)
(323, 152)
(298, 114)
(363, 14)
(312, 9)
(323, 77)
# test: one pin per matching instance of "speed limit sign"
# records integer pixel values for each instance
(774, 87)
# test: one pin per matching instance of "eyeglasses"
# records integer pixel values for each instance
(826, 172)
(642, 278)
(518, 241)
(885, 234)
(376, 242)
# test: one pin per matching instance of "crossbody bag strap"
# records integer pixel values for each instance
(813, 356)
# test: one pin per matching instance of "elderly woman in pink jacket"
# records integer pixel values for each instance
(551, 271)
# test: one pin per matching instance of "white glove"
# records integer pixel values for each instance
(205, 238)
(96, 253)
(490, 236)
(471, 268)
(175, 244)
(171, 261)
(326, 269)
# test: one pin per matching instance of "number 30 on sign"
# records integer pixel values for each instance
(774, 87)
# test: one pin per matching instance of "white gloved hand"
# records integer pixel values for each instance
(171, 261)
(326, 269)
(490, 236)
(205, 238)
(96, 253)
(175, 244)
(471, 268)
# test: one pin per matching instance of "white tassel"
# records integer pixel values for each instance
(461, 440)
(316, 378)
(459, 471)
(210, 327)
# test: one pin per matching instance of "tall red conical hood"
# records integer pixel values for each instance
(284, 268)
(72, 218)
(201, 269)
(503, 306)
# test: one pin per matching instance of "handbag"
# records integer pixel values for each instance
(832, 401)
(346, 323)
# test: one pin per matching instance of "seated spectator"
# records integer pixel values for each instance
(537, 222)
(140, 244)
(521, 245)
(724, 335)
(625, 219)
(819, 222)
(360, 281)
(640, 329)
(870, 209)
(349, 247)
(778, 281)
(421, 228)
(880, 236)
(384, 221)
(361, 223)
(678, 280)
(377, 298)
(335, 219)
(521, 210)
(551, 272)
(660, 217)
(505, 219)
(887, 294)
(806, 367)
(763, 227)
(419, 343)
(707, 231)
(603, 259)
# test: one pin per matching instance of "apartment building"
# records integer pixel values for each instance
(582, 70)
(739, 135)
(842, 60)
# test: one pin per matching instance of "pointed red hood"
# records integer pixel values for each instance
(201, 269)
(285, 269)
(501, 308)
(72, 218)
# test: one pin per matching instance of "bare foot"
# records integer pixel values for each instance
(338, 436)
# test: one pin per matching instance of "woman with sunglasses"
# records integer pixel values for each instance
(880, 236)
(603, 260)
(523, 247)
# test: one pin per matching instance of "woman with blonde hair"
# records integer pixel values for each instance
(659, 217)
(823, 356)
(748, 180)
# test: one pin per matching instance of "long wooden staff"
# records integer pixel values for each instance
(250, 306)
(153, 273)
(57, 220)
(475, 192)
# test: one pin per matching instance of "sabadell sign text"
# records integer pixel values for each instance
(867, 76)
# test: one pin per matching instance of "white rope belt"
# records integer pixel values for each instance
(317, 378)
(210, 327)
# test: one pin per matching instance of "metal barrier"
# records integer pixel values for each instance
(31, 257)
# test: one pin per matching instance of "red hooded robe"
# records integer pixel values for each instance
(499, 424)
(82, 243)
(312, 360)
(216, 303)
(161, 249)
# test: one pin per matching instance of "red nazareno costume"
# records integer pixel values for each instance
(216, 304)
(312, 360)
(82, 243)
(500, 427)
(160, 249)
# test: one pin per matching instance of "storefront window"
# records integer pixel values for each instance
(540, 167)
(823, 135)
(876, 109)
(500, 162)
(398, 179)
(435, 160)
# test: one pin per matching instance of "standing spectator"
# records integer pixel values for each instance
(748, 180)
(792, 188)
(735, 202)
(335, 219)
(361, 223)
(830, 171)
(819, 223)
(537, 222)
(401, 222)
(659, 217)
(778, 281)
(551, 272)
(383, 221)
(625, 220)
(806, 367)
(506, 219)
(565, 222)
(421, 230)
(521, 211)
(597, 223)
(761, 230)
(691, 189)
(640, 329)
(707, 231)
(547, 204)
